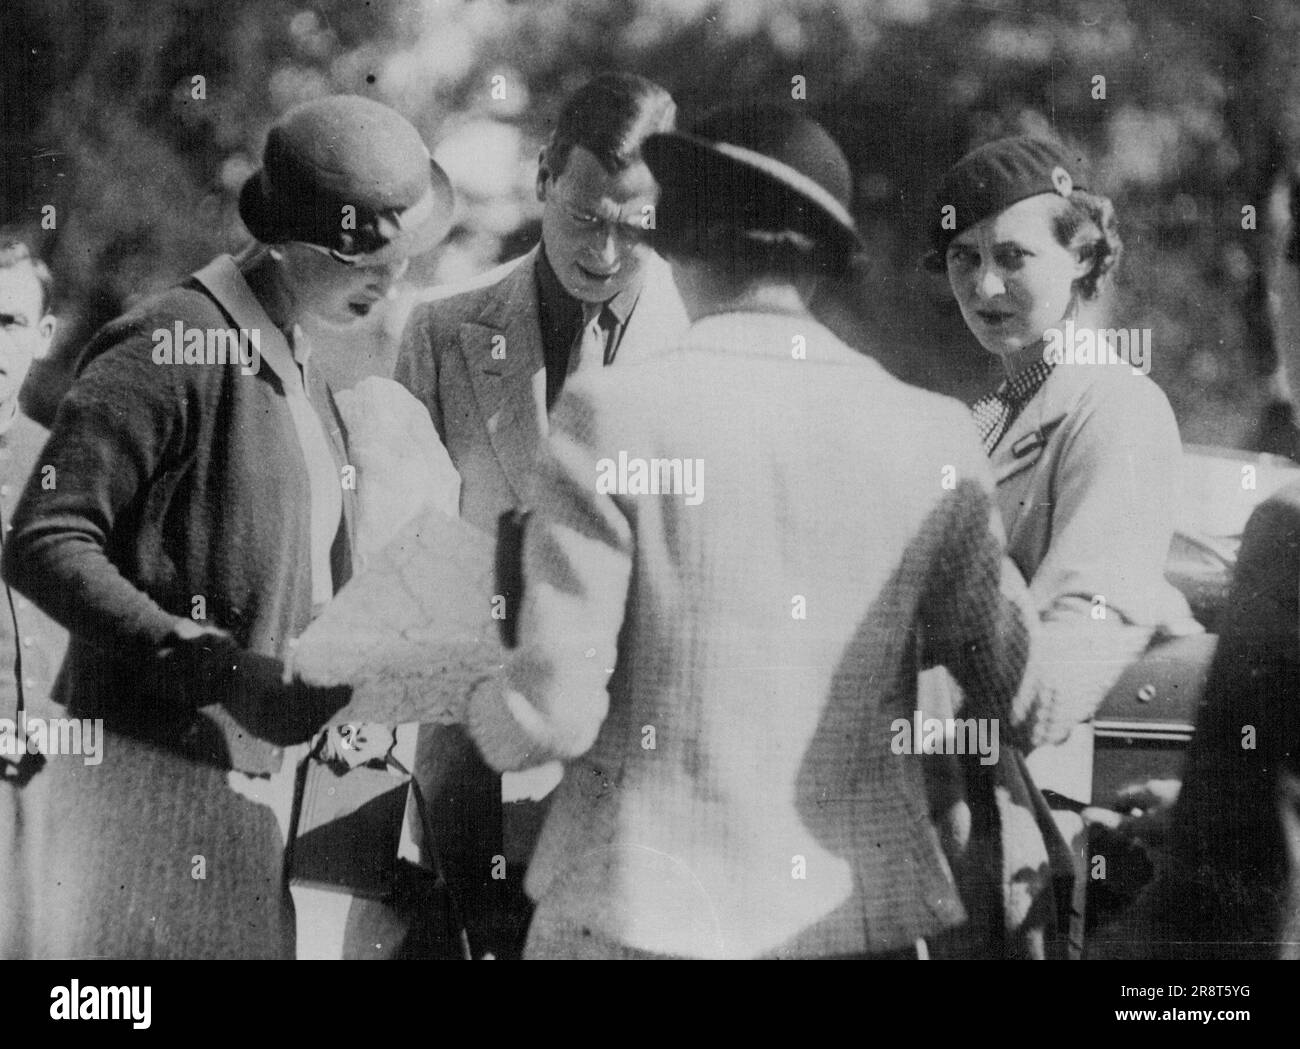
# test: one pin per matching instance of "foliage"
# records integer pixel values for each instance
(1198, 117)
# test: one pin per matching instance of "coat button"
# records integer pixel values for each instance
(28, 641)
(1146, 693)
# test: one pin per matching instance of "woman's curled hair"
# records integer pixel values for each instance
(1087, 223)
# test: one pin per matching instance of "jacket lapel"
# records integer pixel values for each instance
(1023, 443)
(510, 388)
(510, 391)
(341, 556)
(221, 279)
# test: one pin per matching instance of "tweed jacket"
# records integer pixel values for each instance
(473, 356)
(723, 672)
(1088, 485)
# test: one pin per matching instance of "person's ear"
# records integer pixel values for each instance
(45, 330)
(543, 175)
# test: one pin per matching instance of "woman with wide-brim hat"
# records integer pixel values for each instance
(200, 517)
(1084, 446)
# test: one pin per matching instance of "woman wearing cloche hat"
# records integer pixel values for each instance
(1083, 444)
(197, 524)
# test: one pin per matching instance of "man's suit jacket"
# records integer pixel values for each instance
(1088, 482)
(734, 789)
(474, 357)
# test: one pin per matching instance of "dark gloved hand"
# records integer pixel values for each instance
(201, 666)
(193, 667)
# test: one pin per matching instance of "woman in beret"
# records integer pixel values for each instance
(1084, 447)
(199, 520)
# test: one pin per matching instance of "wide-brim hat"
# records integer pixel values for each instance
(352, 175)
(759, 169)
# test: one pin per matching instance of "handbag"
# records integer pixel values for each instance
(344, 838)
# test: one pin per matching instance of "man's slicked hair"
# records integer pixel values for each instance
(610, 116)
(14, 253)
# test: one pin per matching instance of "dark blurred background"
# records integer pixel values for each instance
(1200, 117)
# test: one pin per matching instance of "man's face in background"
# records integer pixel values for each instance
(26, 330)
(594, 224)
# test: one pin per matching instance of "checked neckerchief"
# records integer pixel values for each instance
(996, 411)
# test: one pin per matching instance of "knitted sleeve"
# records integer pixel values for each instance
(118, 424)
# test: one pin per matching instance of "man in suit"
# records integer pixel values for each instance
(489, 359)
(740, 556)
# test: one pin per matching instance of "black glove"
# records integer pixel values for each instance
(211, 668)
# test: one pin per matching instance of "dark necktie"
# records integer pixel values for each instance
(591, 345)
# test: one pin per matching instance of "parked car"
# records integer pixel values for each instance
(1144, 725)
(1146, 720)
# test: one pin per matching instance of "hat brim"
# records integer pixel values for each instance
(259, 216)
(678, 158)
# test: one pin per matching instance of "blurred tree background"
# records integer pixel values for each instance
(1197, 117)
